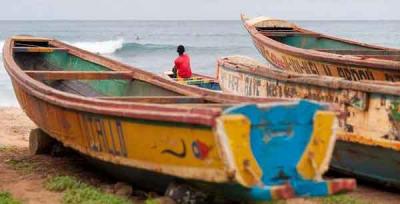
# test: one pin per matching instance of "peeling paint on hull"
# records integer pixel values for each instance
(367, 112)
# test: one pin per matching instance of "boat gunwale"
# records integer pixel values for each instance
(202, 116)
(193, 115)
(372, 63)
(313, 79)
(141, 74)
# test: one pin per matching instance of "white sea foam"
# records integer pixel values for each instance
(1, 46)
(101, 47)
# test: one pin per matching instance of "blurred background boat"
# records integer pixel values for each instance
(368, 143)
(290, 47)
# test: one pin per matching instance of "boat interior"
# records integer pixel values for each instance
(59, 69)
(299, 38)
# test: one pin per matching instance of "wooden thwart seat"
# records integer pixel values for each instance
(79, 75)
(38, 49)
(156, 99)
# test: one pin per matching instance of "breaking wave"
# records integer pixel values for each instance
(1, 46)
(102, 47)
(119, 46)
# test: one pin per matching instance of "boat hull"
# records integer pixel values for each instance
(373, 163)
(308, 65)
(367, 118)
(175, 136)
(302, 53)
(117, 139)
(116, 145)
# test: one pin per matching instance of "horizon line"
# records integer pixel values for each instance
(193, 19)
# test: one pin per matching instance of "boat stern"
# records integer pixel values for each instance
(266, 22)
(280, 151)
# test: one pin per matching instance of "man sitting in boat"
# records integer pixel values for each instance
(182, 64)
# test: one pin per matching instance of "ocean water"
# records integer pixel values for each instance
(151, 45)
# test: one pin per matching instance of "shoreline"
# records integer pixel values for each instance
(15, 127)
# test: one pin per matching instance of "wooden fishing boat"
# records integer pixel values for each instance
(198, 80)
(289, 47)
(368, 143)
(153, 131)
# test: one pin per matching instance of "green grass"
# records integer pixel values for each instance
(62, 183)
(6, 198)
(339, 199)
(22, 165)
(88, 194)
(4, 148)
(272, 202)
(77, 192)
(151, 201)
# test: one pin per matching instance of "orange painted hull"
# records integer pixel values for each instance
(355, 67)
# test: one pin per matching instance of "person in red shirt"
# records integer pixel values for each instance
(182, 64)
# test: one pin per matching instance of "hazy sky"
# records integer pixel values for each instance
(198, 9)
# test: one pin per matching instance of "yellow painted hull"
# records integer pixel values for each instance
(197, 141)
(127, 141)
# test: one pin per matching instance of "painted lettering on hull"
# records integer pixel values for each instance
(304, 66)
(104, 135)
(251, 86)
(361, 113)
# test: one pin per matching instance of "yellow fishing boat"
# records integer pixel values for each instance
(154, 131)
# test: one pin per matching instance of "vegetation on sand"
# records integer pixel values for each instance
(6, 198)
(76, 192)
(339, 199)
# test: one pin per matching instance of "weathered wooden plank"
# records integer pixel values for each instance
(157, 99)
(38, 49)
(275, 29)
(79, 75)
(361, 52)
(22, 38)
(393, 57)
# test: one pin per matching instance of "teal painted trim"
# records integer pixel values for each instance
(207, 85)
(300, 189)
(65, 61)
(310, 188)
(261, 194)
(310, 42)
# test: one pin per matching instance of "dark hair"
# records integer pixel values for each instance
(180, 49)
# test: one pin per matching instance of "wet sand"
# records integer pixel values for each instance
(28, 186)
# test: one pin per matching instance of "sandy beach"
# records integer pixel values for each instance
(24, 175)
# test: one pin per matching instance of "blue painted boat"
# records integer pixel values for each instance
(368, 145)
